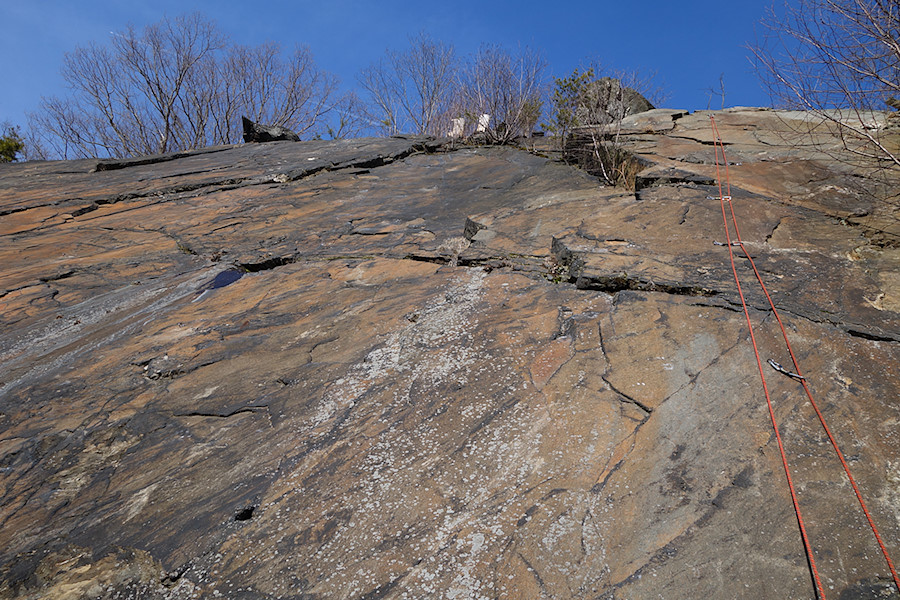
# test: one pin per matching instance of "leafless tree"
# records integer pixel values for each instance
(175, 85)
(712, 92)
(412, 90)
(840, 60)
(508, 87)
(348, 117)
(258, 83)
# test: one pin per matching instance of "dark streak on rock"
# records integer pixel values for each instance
(85, 209)
(18, 209)
(58, 276)
(534, 572)
(124, 163)
(267, 264)
(771, 233)
(724, 306)
(381, 591)
(172, 577)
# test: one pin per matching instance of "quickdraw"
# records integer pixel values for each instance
(784, 371)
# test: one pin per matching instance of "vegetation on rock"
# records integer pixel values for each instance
(425, 87)
(11, 144)
(180, 84)
(587, 113)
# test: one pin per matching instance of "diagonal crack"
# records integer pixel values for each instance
(630, 399)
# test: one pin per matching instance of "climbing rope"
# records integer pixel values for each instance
(797, 374)
(722, 199)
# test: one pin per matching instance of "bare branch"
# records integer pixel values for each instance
(839, 59)
(508, 87)
(411, 90)
(176, 85)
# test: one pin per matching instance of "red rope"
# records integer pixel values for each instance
(809, 395)
(820, 592)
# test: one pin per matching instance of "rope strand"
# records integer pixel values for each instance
(797, 370)
(717, 141)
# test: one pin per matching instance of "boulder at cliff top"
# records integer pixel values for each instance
(256, 132)
(607, 100)
(389, 368)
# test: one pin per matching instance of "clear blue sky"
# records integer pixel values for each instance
(688, 43)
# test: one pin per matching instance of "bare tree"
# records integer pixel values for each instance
(507, 87)
(411, 90)
(175, 85)
(258, 83)
(348, 117)
(712, 92)
(840, 60)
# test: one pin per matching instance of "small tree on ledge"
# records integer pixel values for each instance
(11, 144)
(587, 115)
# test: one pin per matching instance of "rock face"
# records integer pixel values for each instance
(387, 368)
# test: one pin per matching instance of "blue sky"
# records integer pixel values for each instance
(688, 43)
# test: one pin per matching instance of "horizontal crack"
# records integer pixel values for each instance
(227, 183)
(849, 329)
(726, 306)
(268, 264)
(669, 177)
(85, 209)
(870, 336)
(698, 140)
(123, 163)
(222, 415)
(58, 276)
(516, 263)
(612, 284)
(18, 209)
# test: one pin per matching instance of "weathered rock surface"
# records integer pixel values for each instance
(394, 369)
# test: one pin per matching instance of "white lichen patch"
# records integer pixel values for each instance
(138, 501)
(454, 246)
(432, 348)
(447, 476)
(892, 487)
